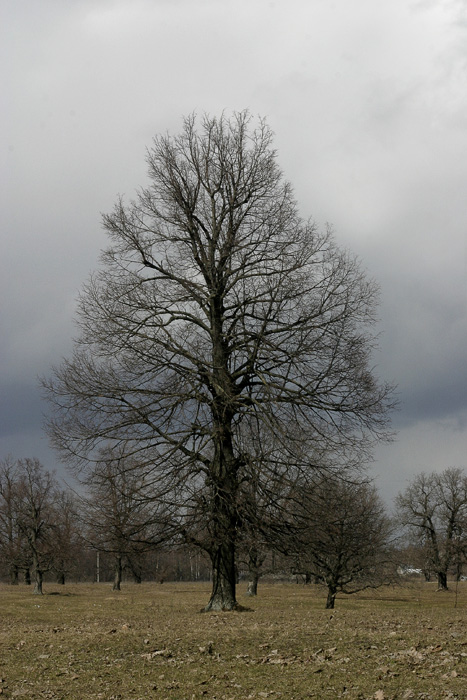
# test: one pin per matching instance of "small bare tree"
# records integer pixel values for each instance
(34, 495)
(12, 542)
(433, 508)
(344, 536)
(119, 515)
(218, 307)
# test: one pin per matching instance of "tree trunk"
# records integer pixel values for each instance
(254, 563)
(38, 583)
(223, 485)
(118, 574)
(61, 578)
(13, 575)
(37, 573)
(38, 578)
(332, 592)
(223, 578)
(136, 570)
(442, 581)
(27, 576)
(252, 587)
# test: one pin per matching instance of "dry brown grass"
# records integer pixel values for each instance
(150, 642)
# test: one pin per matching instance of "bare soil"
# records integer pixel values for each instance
(150, 641)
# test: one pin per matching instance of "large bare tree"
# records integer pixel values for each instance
(218, 309)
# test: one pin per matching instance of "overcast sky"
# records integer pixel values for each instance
(368, 102)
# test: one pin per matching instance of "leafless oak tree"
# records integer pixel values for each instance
(218, 308)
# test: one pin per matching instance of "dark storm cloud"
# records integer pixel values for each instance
(20, 409)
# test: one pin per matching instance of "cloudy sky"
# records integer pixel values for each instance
(368, 102)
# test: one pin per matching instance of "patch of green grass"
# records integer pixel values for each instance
(150, 641)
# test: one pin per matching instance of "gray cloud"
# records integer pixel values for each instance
(369, 107)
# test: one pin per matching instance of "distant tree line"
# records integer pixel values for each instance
(337, 532)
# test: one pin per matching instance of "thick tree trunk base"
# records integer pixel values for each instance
(222, 600)
(217, 608)
(223, 594)
(442, 581)
(223, 597)
(220, 606)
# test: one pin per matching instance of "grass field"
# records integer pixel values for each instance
(150, 642)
